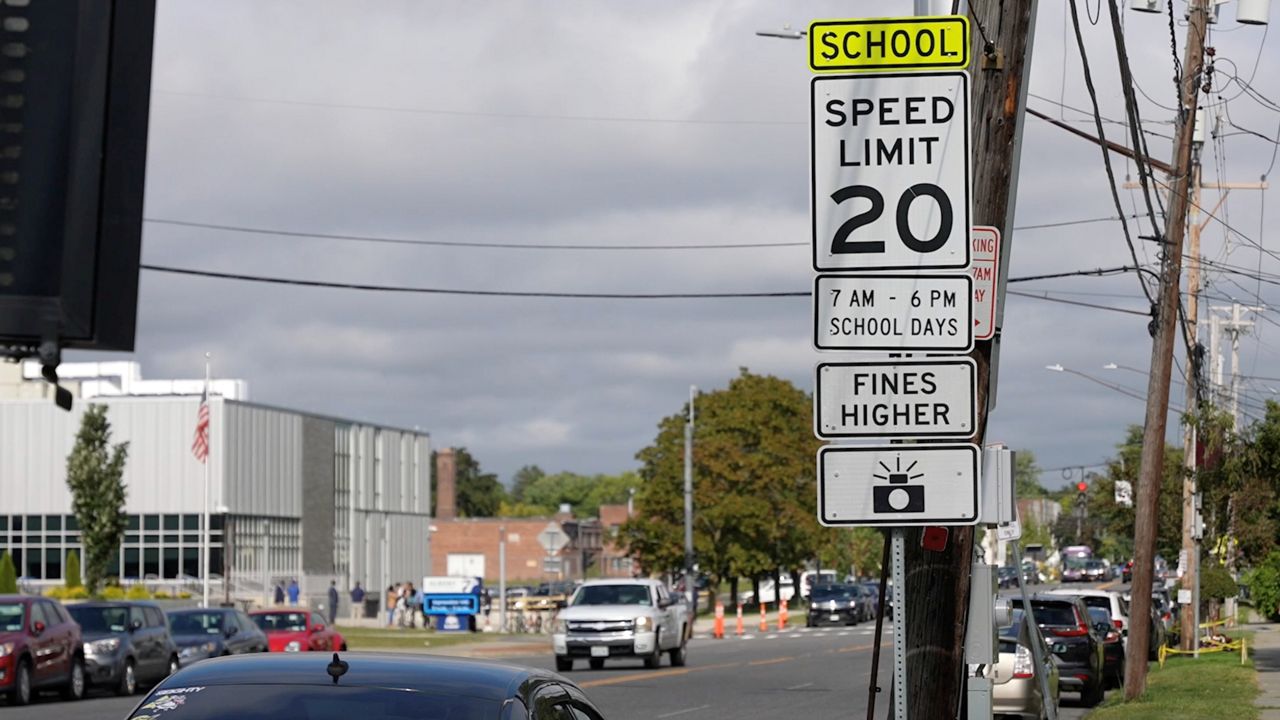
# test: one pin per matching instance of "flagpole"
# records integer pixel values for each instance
(204, 539)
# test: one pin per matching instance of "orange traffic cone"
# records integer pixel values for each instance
(719, 629)
(739, 629)
(782, 615)
(764, 621)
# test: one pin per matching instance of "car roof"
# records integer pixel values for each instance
(113, 603)
(1083, 592)
(619, 581)
(423, 673)
(16, 598)
(192, 610)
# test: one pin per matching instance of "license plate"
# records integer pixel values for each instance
(600, 651)
(835, 617)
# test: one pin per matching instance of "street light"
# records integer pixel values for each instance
(786, 33)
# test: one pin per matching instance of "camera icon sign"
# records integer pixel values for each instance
(900, 495)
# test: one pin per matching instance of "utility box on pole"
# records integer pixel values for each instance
(75, 87)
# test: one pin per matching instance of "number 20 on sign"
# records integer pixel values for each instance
(890, 171)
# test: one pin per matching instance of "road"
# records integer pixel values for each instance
(819, 672)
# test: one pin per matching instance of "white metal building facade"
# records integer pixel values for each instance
(293, 495)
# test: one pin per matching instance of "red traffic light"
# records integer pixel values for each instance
(1082, 486)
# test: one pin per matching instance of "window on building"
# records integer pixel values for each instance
(53, 564)
(150, 561)
(191, 522)
(32, 568)
(171, 522)
(17, 523)
(150, 522)
(35, 522)
(53, 522)
(133, 523)
(215, 561)
(4, 523)
(73, 523)
(191, 561)
(132, 568)
(170, 562)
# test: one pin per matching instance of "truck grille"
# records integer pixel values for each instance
(599, 626)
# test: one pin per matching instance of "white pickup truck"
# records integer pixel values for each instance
(622, 618)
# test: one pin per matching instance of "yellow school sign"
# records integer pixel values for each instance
(873, 44)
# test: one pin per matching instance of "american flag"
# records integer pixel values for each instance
(200, 445)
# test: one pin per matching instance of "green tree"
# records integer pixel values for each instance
(8, 574)
(478, 494)
(73, 570)
(1026, 476)
(95, 475)
(754, 496)
(583, 493)
(524, 477)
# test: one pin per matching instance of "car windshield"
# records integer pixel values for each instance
(311, 702)
(834, 592)
(1052, 613)
(612, 595)
(100, 619)
(10, 617)
(195, 623)
(281, 621)
(1097, 601)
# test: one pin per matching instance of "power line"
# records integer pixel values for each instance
(1079, 303)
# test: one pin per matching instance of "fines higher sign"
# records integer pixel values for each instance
(897, 398)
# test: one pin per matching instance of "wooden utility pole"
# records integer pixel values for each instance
(1191, 569)
(937, 584)
(1166, 324)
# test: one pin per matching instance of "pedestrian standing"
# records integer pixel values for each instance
(333, 601)
(357, 601)
(390, 604)
(279, 597)
(415, 605)
(402, 603)
(293, 591)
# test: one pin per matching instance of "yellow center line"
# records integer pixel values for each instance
(854, 648)
(772, 661)
(1108, 585)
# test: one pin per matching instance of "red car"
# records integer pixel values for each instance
(297, 631)
(40, 648)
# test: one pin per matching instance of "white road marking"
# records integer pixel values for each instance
(843, 633)
(770, 637)
(682, 712)
(798, 687)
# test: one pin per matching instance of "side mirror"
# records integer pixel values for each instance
(318, 627)
(135, 625)
(232, 630)
(1102, 627)
(37, 628)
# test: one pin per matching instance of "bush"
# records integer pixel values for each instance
(113, 592)
(162, 595)
(8, 575)
(138, 592)
(1264, 585)
(73, 570)
(1217, 584)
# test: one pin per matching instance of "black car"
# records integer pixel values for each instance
(215, 632)
(1075, 643)
(1007, 577)
(340, 686)
(1112, 645)
(837, 604)
(126, 644)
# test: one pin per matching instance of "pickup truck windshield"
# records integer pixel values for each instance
(612, 595)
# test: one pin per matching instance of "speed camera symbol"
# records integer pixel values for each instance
(899, 496)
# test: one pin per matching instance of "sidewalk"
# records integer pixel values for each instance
(1266, 660)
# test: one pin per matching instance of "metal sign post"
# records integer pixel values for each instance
(898, 560)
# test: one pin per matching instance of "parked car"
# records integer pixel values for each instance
(202, 634)
(337, 687)
(297, 631)
(550, 595)
(622, 618)
(126, 644)
(1007, 577)
(1075, 643)
(1112, 647)
(837, 604)
(1017, 691)
(767, 592)
(40, 647)
(1113, 602)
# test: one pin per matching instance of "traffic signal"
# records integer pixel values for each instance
(1082, 487)
(75, 87)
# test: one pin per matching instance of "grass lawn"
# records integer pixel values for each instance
(416, 640)
(1215, 687)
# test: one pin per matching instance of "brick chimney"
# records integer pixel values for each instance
(446, 484)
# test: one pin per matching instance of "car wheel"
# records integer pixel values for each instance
(596, 663)
(21, 692)
(654, 659)
(563, 664)
(128, 680)
(679, 656)
(74, 689)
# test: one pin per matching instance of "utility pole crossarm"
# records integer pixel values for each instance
(1112, 146)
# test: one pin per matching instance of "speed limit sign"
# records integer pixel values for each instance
(890, 164)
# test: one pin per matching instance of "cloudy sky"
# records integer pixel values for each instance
(608, 124)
